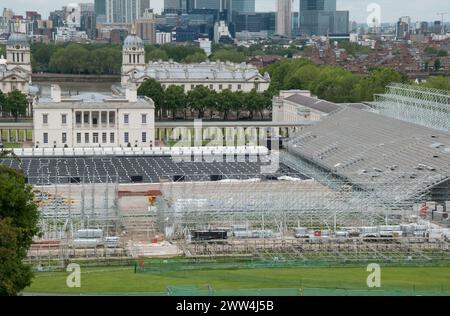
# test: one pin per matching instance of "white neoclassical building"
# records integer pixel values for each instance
(94, 120)
(15, 69)
(216, 76)
(299, 105)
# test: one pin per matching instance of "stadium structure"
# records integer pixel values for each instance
(361, 184)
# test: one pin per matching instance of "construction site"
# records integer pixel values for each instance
(360, 185)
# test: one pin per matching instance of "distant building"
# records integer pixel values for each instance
(221, 32)
(89, 24)
(15, 70)
(321, 18)
(299, 105)
(146, 27)
(94, 120)
(206, 45)
(100, 10)
(284, 18)
(216, 76)
(125, 11)
(163, 38)
(403, 27)
(69, 34)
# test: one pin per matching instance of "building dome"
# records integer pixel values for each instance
(133, 41)
(17, 39)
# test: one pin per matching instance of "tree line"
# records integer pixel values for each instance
(173, 102)
(331, 83)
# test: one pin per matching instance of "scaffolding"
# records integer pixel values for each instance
(415, 104)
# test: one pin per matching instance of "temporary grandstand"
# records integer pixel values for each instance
(393, 162)
(144, 165)
(415, 104)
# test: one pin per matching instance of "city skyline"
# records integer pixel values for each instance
(391, 11)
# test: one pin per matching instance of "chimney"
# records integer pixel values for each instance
(131, 92)
(55, 93)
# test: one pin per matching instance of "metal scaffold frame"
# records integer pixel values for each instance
(424, 106)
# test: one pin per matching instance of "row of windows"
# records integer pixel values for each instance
(18, 57)
(95, 138)
(126, 119)
(211, 86)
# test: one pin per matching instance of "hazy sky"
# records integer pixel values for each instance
(391, 10)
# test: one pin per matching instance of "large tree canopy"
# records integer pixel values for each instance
(18, 225)
(15, 104)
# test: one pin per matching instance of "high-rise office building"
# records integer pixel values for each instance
(100, 10)
(125, 11)
(284, 18)
(319, 17)
(178, 6)
(209, 4)
(146, 27)
(243, 6)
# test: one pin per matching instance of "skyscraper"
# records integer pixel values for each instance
(125, 11)
(243, 6)
(284, 17)
(100, 10)
(319, 17)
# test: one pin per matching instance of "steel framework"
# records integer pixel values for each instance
(415, 104)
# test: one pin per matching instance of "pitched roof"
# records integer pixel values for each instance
(313, 103)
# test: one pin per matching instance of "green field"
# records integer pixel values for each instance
(123, 280)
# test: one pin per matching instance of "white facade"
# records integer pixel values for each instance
(216, 76)
(69, 34)
(220, 29)
(15, 70)
(299, 105)
(94, 120)
(163, 38)
(206, 45)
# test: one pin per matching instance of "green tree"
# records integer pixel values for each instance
(16, 104)
(73, 59)
(442, 53)
(2, 51)
(376, 83)
(156, 54)
(198, 100)
(439, 82)
(18, 225)
(175, 100)
(239, 103)
(211, 102)
(229, 55)
(195, 58)
(225, 102)
(153, 89)
(437, 64)
(302, 78)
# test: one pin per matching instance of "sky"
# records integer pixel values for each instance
(390, 10)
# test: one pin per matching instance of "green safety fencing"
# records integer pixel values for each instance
(142, 266)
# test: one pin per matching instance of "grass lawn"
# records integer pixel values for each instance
(124, 280)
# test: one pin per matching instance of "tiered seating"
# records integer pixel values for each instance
(98, 169)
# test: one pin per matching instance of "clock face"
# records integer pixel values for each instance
(17, 46)
(134, 48)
